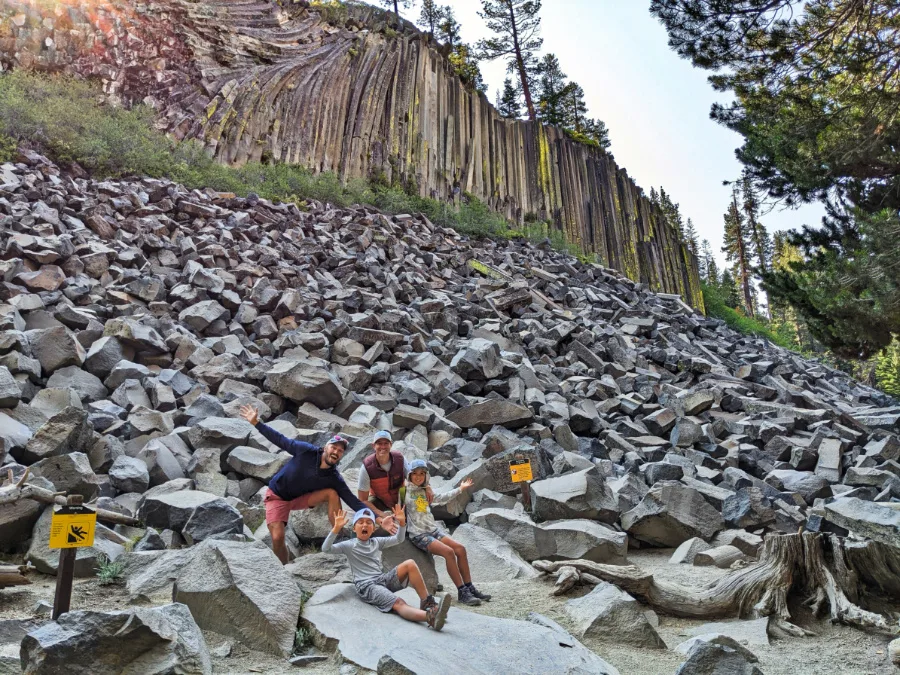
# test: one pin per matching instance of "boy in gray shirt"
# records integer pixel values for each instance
(376, 587)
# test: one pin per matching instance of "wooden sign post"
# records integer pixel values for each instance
(72, 527)
(520, 472)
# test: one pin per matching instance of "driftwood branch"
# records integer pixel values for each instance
(13, 575)
(22, 490)
(810, 564)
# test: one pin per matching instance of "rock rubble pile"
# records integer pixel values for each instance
(136, 317)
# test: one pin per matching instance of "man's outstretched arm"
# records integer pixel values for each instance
(290, 446)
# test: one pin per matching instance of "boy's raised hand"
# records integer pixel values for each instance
(250, 414)
(466, 484)
(341, 518)
(399, 514)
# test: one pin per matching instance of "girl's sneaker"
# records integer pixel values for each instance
(466, 597)
(428, 603)
(478, 594)
(437, 614)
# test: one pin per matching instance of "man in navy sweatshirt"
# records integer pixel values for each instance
(308, 479)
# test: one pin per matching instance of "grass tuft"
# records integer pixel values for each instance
(109, 572)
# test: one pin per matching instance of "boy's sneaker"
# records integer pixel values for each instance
(466, 597)
(428, 603)
(437, 615)
(478, 594)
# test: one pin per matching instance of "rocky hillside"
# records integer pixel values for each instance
(257, 79)
(136, 317)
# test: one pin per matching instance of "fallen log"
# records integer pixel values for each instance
(13, 575)
(17, 490)
(813, 565)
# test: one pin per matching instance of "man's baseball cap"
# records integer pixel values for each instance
(338, 440)
(363, 513)
(383, 434)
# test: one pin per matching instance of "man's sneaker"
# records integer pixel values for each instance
(478, 594)
(437, 615)
(428, 603)
(466, 597)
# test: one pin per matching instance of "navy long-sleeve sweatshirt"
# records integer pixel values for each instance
(303, 473)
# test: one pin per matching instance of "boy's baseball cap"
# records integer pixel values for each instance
(383, 434)
(363, 513)
(338, 440)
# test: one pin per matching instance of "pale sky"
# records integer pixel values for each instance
(655, 104)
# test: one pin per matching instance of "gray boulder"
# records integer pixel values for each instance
(104, 354)
(303, 382)
(710, 658)
(55, 348)
(9, 389)
(336, 617)
(129, 474)
(172, 510)
(314, 570)
(583, 494)
(558, 540)
(877, 521)
(484, 415)
(807, 484)
(490, 557)
(65, 432)
(148, 640)
(88, 387)
(242, 590)
(257, 463)
(611, 615)
(71, 473)
(670, 514)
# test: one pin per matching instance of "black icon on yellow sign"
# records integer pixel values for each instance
(72, 527)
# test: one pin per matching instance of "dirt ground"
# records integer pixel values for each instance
(834, 650)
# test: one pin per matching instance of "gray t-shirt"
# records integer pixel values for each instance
(364, 484)
(364, 556)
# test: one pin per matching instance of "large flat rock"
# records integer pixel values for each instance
(470, 643)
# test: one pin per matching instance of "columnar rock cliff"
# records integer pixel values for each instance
(268, 81)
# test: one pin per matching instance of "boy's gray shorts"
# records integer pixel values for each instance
(380, 590)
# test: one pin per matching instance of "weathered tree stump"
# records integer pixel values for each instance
(822, 569)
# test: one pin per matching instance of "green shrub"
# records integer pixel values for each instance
(716, 308)
(109, 572)
(8, 146)
(332, 11)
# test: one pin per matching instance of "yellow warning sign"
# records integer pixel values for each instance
(72, 527)
(520, 470)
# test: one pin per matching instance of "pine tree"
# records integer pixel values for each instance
(762, 244)
(552, 90)
(508, 104)
(596, 130)
(431, 16)
(654, 197)
(448, 27)
(729, 288)
(466, 66)
(736, 249)
(711, 269)
(671, 212)
(575, 109)
(516, 26)
(690, 236)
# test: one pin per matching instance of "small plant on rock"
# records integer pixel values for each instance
(109, 572)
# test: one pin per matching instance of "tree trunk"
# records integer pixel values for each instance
(821, 568)
(520, 64)
(742, 263)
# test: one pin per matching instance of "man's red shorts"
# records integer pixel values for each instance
(278, 510)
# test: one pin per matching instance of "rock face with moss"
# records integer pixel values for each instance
(339, 91)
